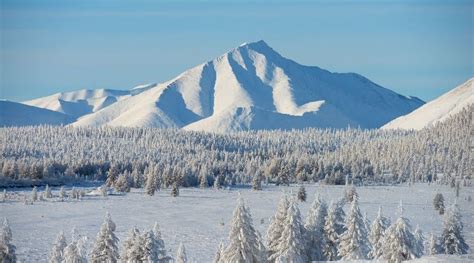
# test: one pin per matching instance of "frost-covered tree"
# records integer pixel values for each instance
(292, 244)
(150, 247)
(162, 257)
(105, 248)
(276, 227)
(452, 239)
(419, 242)
(331, 237)
(354, 244)
(34, 194)
(57, 252)
(62, 193)
(72, 254)
(315, 229)
(181, 256)
(438, 203)
(7, 249)
(339, 216)
(399, 240)
(302, 194)
(217, 183)
(132, 249)
(203, 182)
(4, 195)
(122, 184)
(349, 192)
(433, 245)
(112, 175)
(245, 243)
(47, 192)
(151, 183)
(219, 253)
(377, 233)
(257, 182)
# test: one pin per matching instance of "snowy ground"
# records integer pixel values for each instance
(199, 217)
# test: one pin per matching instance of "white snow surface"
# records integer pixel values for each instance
(254, 87)
(18, 114)
(195, 217)
(437, 110)
(86, 101)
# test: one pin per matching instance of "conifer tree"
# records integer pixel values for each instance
(302, 194)
(217, 183)
(433, 248)
(160, 243)
(105, 248)
(34, 194)
(315, 229)
(62, 193)
(72, 254)
(276, 227)
(331, 237)
(292, 244)
(452, 239)
(257, 182)
(245, 244)
(419, 242)
(150, 183)
(438, 203)
(57, 252)
(7, 249)
(376, 235)
(132, 250)
(203, 182)
(47, 192)
(181, 256)
(121, 184)
(219, 253)
(150, 247)
(175, 189)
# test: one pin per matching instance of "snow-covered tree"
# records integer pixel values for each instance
(105, 248)
(331, 237)
(175, 189)
(438, 203)
(419, 242)
(181, 256)
(34, 194)
(434, 247)
(7, 249)
(276, 227)
(315, 229)
(349, 192)
(302, 194)
(203, 182)
(354, 244)
(112, 175)
(452, 239)
(47, 192)
(399, 240)
(219, 253)
(339, 216)
(162, 257)
(62, 193)
(121, 184)
(245, 243)
(57, 252)
(72, 254)
(377, 233)
(150, 247)
(292, 244)
(132, 249)
(151, 183)
(257, 182)
(217, 183)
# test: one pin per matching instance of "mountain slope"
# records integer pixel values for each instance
(437, 110)
(82, 102)
(251, 85)
(17, 114)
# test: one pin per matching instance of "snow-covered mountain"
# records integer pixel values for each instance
(437, 110)
(18, 114)
(82, 102)
(254, 87)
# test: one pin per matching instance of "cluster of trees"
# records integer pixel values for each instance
(128, 157)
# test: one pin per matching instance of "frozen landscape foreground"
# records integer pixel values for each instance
(197, 216)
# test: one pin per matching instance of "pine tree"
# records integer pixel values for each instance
(105, 247)
(257, 182)
(57, 252)
(175, 189)
(302, 194)
(315, 229)
(132, 250)
(217, 183)
(399, 240)
(112, 175)
(203, 182)
(438, 203)
(276, 227)
(121, 184)
(62, 193)
(219, 253)
(150, 183)
(292, 241)
(245, 244)
(353, 242)
(434, 247)
(47, 192)
(181, 254)
(72, 254)
(376, 235)
(7, 249)
(331, 237)
(419, 246)
(34, 194)
(452, 239)
(339, 216)
(150, 247)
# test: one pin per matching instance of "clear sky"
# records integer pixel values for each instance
(419, 48)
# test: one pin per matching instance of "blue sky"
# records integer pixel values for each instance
(419, 48)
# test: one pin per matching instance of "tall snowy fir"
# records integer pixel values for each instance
(452, 238)
(331, 237)
(377, 234)
(106, 244)
(399, 240)
(245, 244)
(132, 249)
(72, 254)
(276, 227)
(160, 243)
(419, 242)
(433, 245)
(7, 249)
(181, 256)
(57, 252)
(292, 244)
(354, 244)
(314, 226)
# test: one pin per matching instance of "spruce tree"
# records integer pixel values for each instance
(57, 252)
(331, 237)
(315, 229)
(452, 239)
(245, 244)
(62, 193)
(72, 254)
(47, 192)
(302, 194)
(175, 189)
(354, 244)
(438, 203)
(276, 227)
(34, 194)
(292, 241)
(150, 183)
(160, 243)
(257, 182)
(219, 253)
(377, 233)
(132, 249)
(150, 247)
(181, 256)
(434, 247)
(7, 249)
(105, 248)
(121, 184)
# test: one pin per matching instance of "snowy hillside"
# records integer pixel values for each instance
(82, 102)
(253, 87)
(17, 114)
(437, 110)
